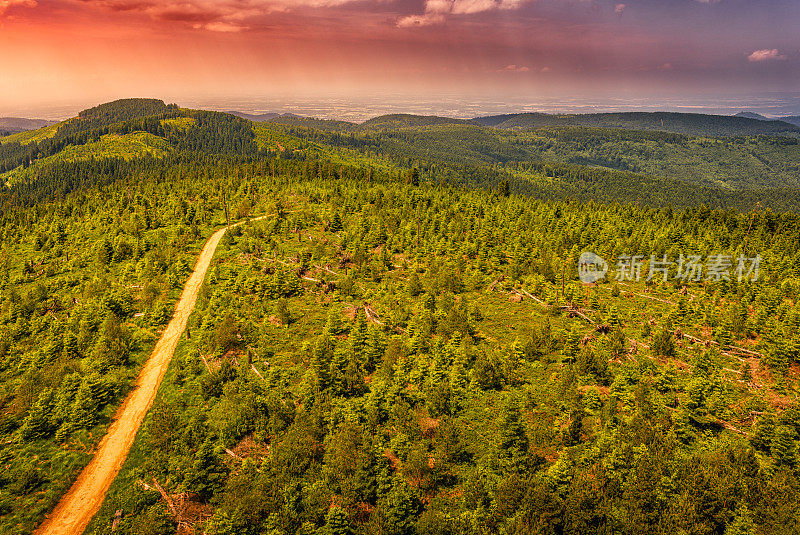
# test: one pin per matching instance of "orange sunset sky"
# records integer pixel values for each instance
(84, 51)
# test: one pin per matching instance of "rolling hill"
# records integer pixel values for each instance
(261, 117)
(794, 119)
(579, 162)
(680, 123)
(13, 125)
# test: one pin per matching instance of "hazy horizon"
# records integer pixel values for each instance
(451, 56)
(362, 107)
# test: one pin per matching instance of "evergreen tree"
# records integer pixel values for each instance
(742, 523)
(39, 422)
(664, 343)
(322, 360)
(337, 523)
(207, 474)
(336, 223)
(399, 510)
(784, 445)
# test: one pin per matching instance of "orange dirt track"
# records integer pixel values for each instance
(83, 500)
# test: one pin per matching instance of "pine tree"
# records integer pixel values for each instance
(39, 422)
(400, 510)
(322, 359)
(376, 349)
(746, 372)
(513, 439)
(337, 522)
(207, 474)
(336, 223)
(413, 177)
(282, 311)
(592, 400)
(333, 324)
(571, 345)
(358, 339)
(104, 252)
(664, 343)
(783, 446)
(613, 317)
(112, 347)
(70, 346)
(742, 523)
(85, 407)
(414, 285)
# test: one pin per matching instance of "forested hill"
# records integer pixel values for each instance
(401, 120)
(794, 119)
(12, 125)
(579, 163)
(693, 124)
(261, 117)
(382, 123)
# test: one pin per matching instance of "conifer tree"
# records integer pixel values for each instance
(400, 509)
(39, 422)
(742, 523)
(337, 523)
(322, 360)
(784, 447)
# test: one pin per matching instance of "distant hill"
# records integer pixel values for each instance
(556, 159)
(382, 123)
(693, 124)
(752, 115)
(125, 109)
(794, 119)
(326, 125)
(404, 120)
(262, 117)
(12, 125)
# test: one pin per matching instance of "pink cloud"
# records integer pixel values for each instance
(514, 68)
(766, 54)
(620, 8)
(437, 11)
(224, 27)
(211, 15)
(5, 4)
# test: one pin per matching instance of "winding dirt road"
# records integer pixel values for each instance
(83, 500)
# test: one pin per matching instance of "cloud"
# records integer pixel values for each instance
(620, 8)
(224, 27)
(765, 54)
(211, 15)
(5, 4)
(427, 19)
(437, 11)
(514, 68)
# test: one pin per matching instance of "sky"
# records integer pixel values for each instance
(58, 54)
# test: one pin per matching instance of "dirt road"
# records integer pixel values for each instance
(83, 500)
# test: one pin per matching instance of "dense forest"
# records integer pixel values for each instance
(401, 346)
(696, 124)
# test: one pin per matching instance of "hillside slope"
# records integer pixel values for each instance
(693, 124)
(13, 125)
